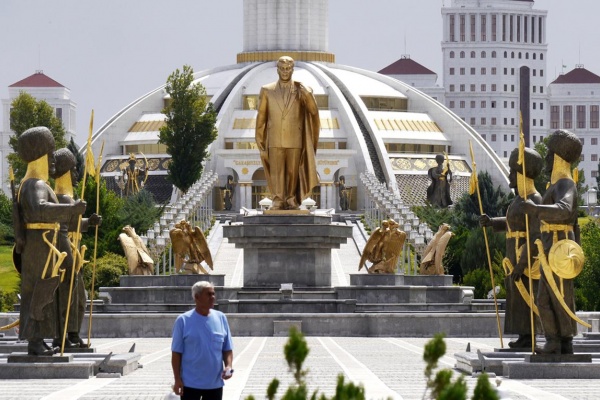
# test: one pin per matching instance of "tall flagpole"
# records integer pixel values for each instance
(474, 186)
(98, 166)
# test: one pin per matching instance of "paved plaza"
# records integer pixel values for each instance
(386, 367)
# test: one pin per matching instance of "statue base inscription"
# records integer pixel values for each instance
(287, 248)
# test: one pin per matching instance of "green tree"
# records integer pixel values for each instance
(140, 211)
(587, 284)
(27, 112)
(7, 234)
(112, 221)
(189, 129)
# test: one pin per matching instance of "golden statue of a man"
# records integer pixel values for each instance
(287, 133)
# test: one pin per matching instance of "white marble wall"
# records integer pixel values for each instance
(299, 25)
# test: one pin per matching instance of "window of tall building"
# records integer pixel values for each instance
(581, 118)
(493, 120)
(541, 55)
(505, 138)
(534, 138)
(519, 31)
(493, 137)
(472, 87)
(493, 104)
(582, 140)
(462, 27)
(483, 28)
(581, 157)
(462, 54)
(483, 121)
(473, 55)
(512, 71)
(505, 71)
(505, 87)
(594, 117)
(512, 54)
(505, 104)
(494, 70)
(512, 138)
(462, 71)
(506, 54)
(472, 103)
(451, 104)
(533, 72)
(483, 87)
(494, 28)
(505, 121)
(525, 20)
(472, 19)
(554, 117)
(534, 122)
(484, 136)
(594, 157)
(567, 117)
(472, 71)
(493, 87)
(504, 28)
(451, 71)
(483, 54)
(512, 88)
(594, 141)
(541, 72)
(541, 89)
(59, 114)
(512, 104)
(451, 54)
(483, 71)
(541, 106)
(533, 104)
(472, 121)
(451, 88)
(452, 30)
(493, 54)
(527, 55)
(462, 104)
(541, 122)
(505, 154)
(462, 87)
(540, 35)
(534, 89)
(533, 32)
(512, 121)
(520, 55)
(594, 174)
(534, 56)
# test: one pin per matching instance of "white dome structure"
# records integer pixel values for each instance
(369, 122)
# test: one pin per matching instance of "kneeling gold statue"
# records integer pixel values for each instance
(383, 248)
(190, 249)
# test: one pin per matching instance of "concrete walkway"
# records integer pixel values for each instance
(386, 367)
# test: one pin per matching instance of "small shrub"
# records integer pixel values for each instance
(7, 300)
(109, 268)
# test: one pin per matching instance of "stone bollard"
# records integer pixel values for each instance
(595, 325)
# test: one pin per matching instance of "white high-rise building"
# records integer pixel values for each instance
(494, 57)
(42, 87)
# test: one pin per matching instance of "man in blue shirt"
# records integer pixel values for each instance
(202, 352)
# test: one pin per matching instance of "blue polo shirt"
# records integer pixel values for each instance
(201, 341)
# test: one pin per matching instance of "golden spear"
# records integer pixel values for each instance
(521, 162)
(78, 233)
(98, 166)
(474, 187)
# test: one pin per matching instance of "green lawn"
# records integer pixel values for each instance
(9, 277)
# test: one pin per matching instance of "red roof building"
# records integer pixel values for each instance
(39, 80)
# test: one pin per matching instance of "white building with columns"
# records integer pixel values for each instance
(369, 122)
(494, 58)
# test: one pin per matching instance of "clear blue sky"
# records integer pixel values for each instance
(110, 52)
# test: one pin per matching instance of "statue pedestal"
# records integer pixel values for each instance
(287, 248)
